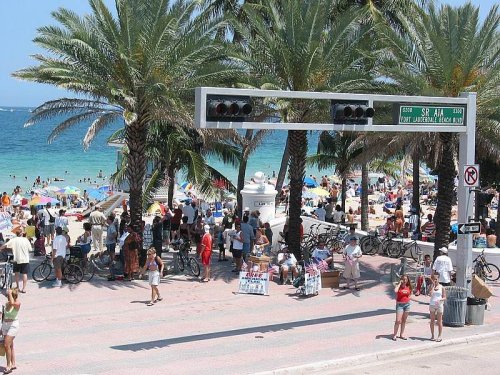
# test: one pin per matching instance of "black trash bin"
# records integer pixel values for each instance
(475, 311)
(455, 306)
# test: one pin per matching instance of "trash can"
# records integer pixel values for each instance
(455, 306)
(475, 311)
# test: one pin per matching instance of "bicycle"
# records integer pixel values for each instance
(416, 252)
(76, 256)
(185, 260)
(45, 271)
(6, 272)
(371, 244)
(485, 270)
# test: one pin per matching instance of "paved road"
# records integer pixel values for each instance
(466, 359)
(105, 327)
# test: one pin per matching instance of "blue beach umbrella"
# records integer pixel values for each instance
(97, 195)
(310, 182)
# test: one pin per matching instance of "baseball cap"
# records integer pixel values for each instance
(207, 228)
(444, 250)
(247, 209)
(353, 238)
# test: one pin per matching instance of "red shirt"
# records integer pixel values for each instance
(403, 295)
(176, 219)
(207, 241)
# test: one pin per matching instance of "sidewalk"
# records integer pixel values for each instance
(105, 327)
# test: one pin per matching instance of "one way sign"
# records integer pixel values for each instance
(467, 228)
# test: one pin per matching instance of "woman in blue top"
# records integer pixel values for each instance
(154, 266)
(10, 325)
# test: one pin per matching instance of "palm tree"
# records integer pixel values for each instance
(294, 45)
(446, 52)
(337, 150)
(183, 149)
(138, 65)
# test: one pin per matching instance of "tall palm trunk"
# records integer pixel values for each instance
(343, 193)
(135, 137)
(242, 171)
(446, 179)
(280, 180)
(415, 200)
(171, 184)
(365, 224)
(298, 153)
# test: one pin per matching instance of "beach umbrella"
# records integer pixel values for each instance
(97, 195)
(310, 182)
(70, 190)
(154, 208)
(42, 200)
(52, 188)
(319, 191)
(309, 195)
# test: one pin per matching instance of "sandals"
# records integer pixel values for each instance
(394, 338)
(439, 339)
(150, 304)
(7, 371)
(403, 338)
(159, 299)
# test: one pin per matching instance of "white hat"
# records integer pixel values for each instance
(444, 250)
(207, 228)
(247, 209)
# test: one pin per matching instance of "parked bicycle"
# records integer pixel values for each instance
(72, 273)
(484, 270)
(183, 247)
(372, 243)
(6, 272)
(78, 257)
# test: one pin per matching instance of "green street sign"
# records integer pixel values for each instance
(428, 114)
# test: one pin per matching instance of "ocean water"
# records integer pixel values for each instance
(25, 154)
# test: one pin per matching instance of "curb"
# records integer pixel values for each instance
(362, 359)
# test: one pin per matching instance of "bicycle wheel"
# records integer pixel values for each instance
(194, 267)
(88, 270)
(2, 279)
(491, 272)
(393, 249)
(41, 272)
(415, 251)
(9, 280)
(73, 273)
(51, 275)
(181, 262)
(370, 245)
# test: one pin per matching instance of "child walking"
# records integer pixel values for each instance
(154, 266)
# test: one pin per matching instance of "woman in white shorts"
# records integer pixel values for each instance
(154, 266)
(10, 326)
(436, 307)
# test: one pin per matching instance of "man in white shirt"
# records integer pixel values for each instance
(443, 267)
(16, 200)
(188, 211)
(48, 223)
(287, 261)
(21, 248)
(320, 212)
(59, 247)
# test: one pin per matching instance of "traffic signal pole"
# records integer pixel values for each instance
(410, 114)
(465, 195)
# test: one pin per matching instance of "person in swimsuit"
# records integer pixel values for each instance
(10, 326)
(154, 266)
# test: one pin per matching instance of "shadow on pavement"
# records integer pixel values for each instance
(147, 345)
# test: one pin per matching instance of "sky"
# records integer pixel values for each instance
(19, 20)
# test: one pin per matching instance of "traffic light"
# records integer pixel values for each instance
(482, 202)
(351, 112)
(228, 108)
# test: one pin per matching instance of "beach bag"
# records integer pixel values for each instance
(40, 246)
